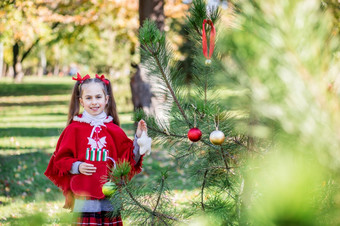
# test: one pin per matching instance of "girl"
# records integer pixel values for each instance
(91, 142)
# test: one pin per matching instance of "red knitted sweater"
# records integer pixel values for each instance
(73, 145)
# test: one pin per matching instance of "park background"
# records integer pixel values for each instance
(42, 45)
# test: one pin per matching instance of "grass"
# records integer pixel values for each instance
(32, 116)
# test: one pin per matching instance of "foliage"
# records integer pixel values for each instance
(283, 60)
(333, 7)
(32, 116)
(211, 168)
(98, 36)
(285, 56)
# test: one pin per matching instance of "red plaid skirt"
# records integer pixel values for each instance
(98, 218)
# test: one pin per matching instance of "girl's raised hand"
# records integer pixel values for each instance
(141, 127)
(87, 169)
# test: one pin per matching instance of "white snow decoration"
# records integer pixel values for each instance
(94, 144)
(144, 143)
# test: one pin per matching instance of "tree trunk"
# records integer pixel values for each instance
(142, 96)
(4, 69)
(17, 66)
(42, 66)
(56, 69)
(140, 88)
(18, 72)
(15, 58)
(1, 58)
(153, 10)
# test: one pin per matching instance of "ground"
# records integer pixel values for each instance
(32, 116)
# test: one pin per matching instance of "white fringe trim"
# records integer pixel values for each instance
(86, 120)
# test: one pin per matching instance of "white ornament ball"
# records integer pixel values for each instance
(217, 137)
(207, 62)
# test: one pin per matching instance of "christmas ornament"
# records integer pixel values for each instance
(217, 137)
(194, 134)
(207, 62)
(144, 143)
(109, 188)
(205, 43)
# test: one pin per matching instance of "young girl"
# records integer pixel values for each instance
(91, 142)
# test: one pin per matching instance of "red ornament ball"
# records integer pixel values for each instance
(194, 134)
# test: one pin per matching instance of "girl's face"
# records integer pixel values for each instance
(93, 98)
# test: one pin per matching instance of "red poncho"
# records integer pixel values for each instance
(76, 143)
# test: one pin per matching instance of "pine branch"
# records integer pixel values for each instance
(216, 148)
(150, 36)
(236, 141)
(167, 134)
(202, 190)
(224, 159)
(189, 153)
(170, 88)
(205, 91)
(146, 209)
(159, 196)
(216, 167)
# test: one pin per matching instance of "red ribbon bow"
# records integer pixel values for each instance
(103, 79)
(80, 79)
(212, 39)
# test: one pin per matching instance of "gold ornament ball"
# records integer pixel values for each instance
(207, 62)
(217, 137)
(109, 188)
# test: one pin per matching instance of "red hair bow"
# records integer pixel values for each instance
(80, 79)
(103, 79)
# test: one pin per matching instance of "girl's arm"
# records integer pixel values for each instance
(83, 168)
(141, 127)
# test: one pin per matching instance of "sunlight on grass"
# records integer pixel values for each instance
(40, 211)
(30, 125)
(32, 116)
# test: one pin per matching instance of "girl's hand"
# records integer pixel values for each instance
(141, 127)
(87, 169)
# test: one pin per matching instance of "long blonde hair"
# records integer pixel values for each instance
(110, 108)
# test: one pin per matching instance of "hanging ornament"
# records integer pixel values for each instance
(211, 40)
(109, 188)
(217, 137)
(194, 134)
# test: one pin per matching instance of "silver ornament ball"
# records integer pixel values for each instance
(217, 137)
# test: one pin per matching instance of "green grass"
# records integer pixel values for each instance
(32, 116)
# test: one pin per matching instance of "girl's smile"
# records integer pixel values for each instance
(93, 98)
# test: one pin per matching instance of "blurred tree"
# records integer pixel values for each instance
(334, 7)
(28, 23)
(142, 96)
(282, 60)
(210, 165)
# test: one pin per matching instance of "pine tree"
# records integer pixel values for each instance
(212, 168)
(285, 56)
(279, 164)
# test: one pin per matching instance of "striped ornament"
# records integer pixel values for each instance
(95, 154)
